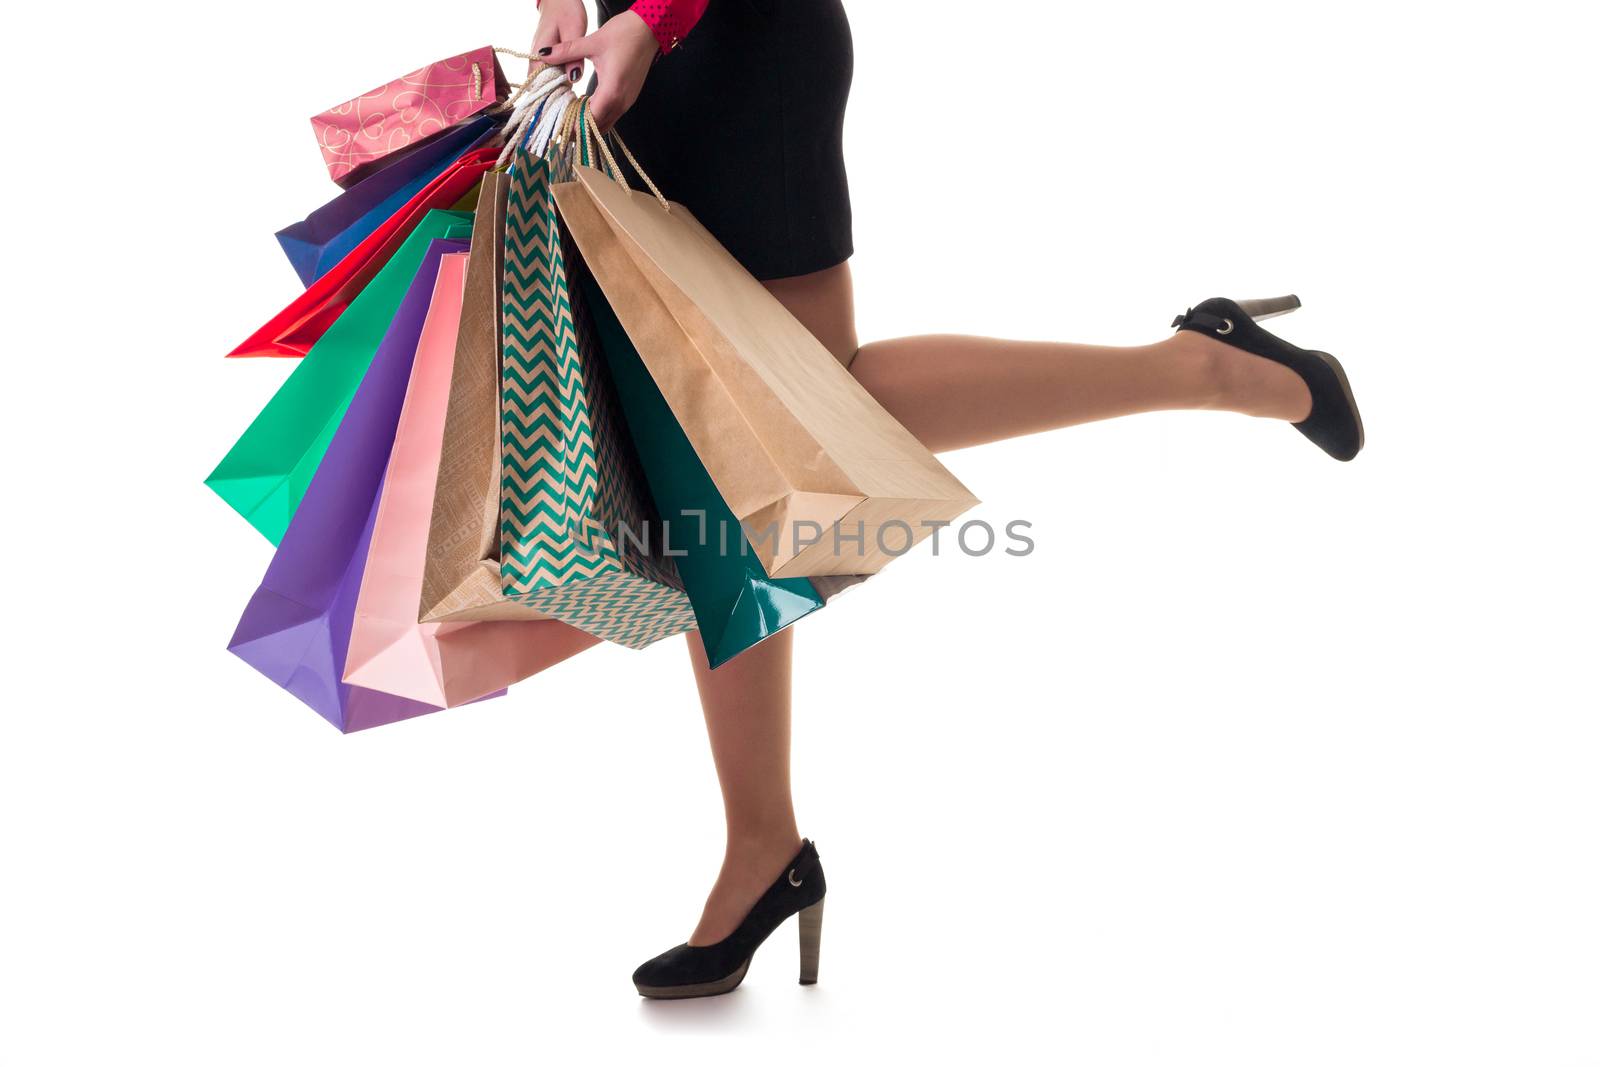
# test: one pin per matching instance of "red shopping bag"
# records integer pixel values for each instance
(292, 331)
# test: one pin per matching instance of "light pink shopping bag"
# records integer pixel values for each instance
(406, 111)
(446, 663)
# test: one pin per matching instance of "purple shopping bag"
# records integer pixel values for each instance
(296, 628)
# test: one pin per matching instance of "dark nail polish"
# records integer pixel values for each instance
(544, 51)
(577, 72)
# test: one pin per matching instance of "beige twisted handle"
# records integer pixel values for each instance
(602, 143)
(534, 64)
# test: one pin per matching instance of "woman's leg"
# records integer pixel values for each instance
(746, 704)
(951, 392)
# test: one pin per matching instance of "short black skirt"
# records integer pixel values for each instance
(743, 124)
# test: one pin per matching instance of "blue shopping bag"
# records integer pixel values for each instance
(329, 233)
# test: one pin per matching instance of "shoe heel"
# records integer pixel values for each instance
(810, 942)
(1267, 307)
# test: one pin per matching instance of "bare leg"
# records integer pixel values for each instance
(951, 392)
(825, 304)
(746, 704)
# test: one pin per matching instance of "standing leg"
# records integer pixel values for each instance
(746, 704)
(746, 700)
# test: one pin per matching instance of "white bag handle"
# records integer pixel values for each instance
(550, 87)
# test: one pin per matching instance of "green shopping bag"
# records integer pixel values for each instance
(735, 604)
(267, 471)
(571, 493)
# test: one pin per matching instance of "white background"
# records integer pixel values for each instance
(1259, 760)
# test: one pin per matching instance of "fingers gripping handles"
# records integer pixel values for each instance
(550, 121)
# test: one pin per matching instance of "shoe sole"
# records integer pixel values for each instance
(699, 989)
(1349, 397)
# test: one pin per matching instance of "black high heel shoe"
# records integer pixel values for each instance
(706, 970)
(1334, 424)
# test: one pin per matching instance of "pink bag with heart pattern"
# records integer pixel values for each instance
(407, 111)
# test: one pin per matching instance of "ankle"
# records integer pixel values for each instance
(761, 844)
(755, 857)
(1202, 364)
(1231, 379)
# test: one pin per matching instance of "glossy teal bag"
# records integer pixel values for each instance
(735, 604)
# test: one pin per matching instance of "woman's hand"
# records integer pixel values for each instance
(621, 51)
(561, 21)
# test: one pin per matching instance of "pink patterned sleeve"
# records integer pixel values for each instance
(670, 20)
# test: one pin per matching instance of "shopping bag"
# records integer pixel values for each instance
(574, 513)
(329, 233)
(292, 331)
(267, 471)
(408, 110)
(439, 664)
(296, 628)
(461, 575)
(825, 480)
(736, 606)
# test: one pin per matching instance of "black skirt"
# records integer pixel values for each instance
(743, 124)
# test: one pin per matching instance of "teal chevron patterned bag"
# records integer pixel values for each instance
(570, 487)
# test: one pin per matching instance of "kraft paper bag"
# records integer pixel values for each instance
(461, 574)
(736, 606)
(296, 629)
(404, 112)
(390, 651)
(793, 442)
(332, 231)
(267, 471)
(574, 510)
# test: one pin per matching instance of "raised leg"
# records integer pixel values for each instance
(953, 392)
